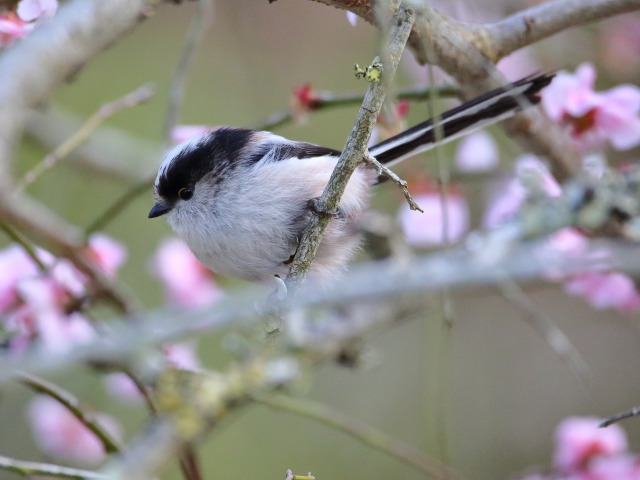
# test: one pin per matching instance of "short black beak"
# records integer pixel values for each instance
(158, 210)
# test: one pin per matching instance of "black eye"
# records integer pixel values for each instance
(185, 193)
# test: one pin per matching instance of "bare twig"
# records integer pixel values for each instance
(382, 170)
(325, 100)
(111, 152)
(119, 205)
(362, 432)
(198, 27)
(634, 412)
(546, 19)
(140, 95)
(29, 469)
(355, 150)
(545, 326)
(72, 404)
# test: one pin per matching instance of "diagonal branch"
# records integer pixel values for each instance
(541, 21)
(38, 469)
(355, 150)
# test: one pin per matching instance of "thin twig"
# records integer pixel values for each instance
(118, 206)
(634, 412)
(29, 469)
(25, 244)
(362, 432)
(546, 327)
(71, 403)
(355, 150)
(196, 32)
(106, 111)
(326, 100)
(382, 170)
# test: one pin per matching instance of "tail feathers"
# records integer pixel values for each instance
(480, 112)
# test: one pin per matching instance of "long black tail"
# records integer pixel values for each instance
(480, 112)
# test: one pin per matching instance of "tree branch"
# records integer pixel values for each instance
(29, 469)
(33, 67)
(355, 151)
(361, 431)
(546, 19)
(72, 404)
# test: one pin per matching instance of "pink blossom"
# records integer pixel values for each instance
(61, 435)
(15, 264)
(508, 197)
(30, 10)
(594, 118)
(186, 281)
(179, 355)
(477, 152)
(427, 229)
(579, 441)
(182, 355)
(182, 133)
(614, 467)
(108, 254)
(11, 28)
(604, 290)
(56, 330)
(120, 386)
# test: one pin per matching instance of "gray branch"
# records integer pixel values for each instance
(548, 18)
(355, 151)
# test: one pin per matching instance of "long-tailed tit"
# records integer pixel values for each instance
(241, 198)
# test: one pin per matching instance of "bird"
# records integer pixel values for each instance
(241, 198)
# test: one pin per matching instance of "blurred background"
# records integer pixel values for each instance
(485, 393)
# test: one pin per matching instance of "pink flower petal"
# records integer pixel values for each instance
(187, 282)
(182, 133)
(426, 229)
(477, 152)
(30, 10)
(61, 435)
(108, 254)
(579, 440)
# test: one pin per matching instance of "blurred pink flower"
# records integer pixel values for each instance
(179, 355)
(182, 133)
(477, 152)
(352, 18)
(61, 435)
(619, 42)
(11, 28)
(120, 386)
(579, 441)
(182, 355)
(34, 299)
(31, 10)
(54, 328)
(426, 229)
(107, 254)
(15, 265)
(594, 118)
(604, 290)
(187, 282)
(23, 18)
(586, 452)
(507, 198)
